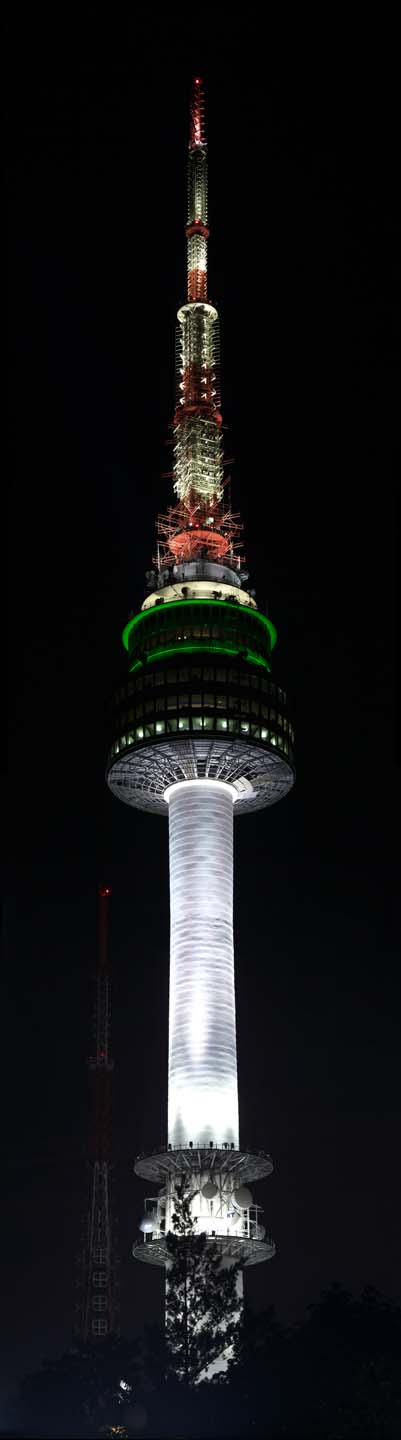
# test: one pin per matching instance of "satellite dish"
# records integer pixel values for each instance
(209, 1190)
(148, 1223)
(243, 1197)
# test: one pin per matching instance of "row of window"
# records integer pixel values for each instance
(240, 628)
(249, 706)
(203, 673)
(235, 726)
(99, 1327)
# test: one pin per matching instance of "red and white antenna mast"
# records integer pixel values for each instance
(98, 1303)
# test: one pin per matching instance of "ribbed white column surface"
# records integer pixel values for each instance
(203, 1091)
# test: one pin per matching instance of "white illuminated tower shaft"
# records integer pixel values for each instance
(202, 1079)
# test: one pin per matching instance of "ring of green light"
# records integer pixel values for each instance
(221, 605)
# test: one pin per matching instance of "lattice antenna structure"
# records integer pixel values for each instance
(201, 733)
(97, 1275)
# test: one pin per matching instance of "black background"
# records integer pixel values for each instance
(302, 266)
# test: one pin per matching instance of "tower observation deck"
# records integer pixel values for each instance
(201, 733)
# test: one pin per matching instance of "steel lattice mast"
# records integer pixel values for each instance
(201, 732)
(98, 1307)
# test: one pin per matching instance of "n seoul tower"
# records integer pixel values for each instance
(201, 734)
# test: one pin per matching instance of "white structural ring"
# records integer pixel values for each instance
(203, 1088)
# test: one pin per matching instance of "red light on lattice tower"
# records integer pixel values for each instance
(197, 135)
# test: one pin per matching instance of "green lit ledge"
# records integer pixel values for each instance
(222, 605)
(209, 647)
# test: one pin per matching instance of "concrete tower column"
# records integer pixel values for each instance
(202, 1080)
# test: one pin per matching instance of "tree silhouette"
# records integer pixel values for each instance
(203, 1308)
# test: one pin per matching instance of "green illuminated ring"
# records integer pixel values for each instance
(208, 648)
(177, 604)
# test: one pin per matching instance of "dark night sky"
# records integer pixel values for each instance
(303, 269)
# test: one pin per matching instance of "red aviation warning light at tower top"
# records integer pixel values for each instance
(200, 525)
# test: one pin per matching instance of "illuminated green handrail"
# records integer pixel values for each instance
(222, 605)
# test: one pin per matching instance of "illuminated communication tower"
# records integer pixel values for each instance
(98, 1303)
(201, 734)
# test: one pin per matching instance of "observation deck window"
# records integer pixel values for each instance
(233, 725)
(183, 724)
(221, 702)
(244, 727)
(196, 722)
(196, 699)
(208, 722)
(171, 702)
(221, 724)
(160, 727)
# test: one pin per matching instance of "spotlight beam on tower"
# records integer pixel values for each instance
(201, 734)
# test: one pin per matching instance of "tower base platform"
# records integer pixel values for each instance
(232, 1248)
(242, 1166)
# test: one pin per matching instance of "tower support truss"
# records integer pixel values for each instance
(97, 1272)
